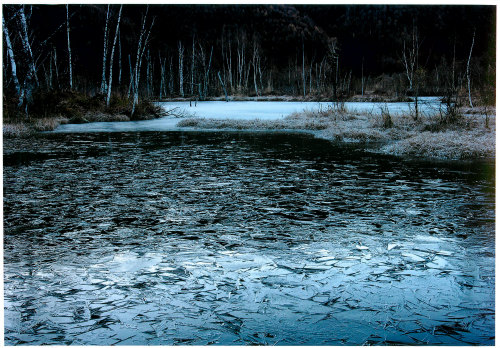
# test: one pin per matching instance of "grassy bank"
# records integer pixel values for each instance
(52, 108)
(468, 135)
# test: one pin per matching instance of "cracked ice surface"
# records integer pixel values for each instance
(227, 238)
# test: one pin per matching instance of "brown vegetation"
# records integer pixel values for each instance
(464, 136)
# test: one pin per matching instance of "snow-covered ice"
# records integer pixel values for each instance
(240, 110)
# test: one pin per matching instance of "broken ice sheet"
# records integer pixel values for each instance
(168, 254)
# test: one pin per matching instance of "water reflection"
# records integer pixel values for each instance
(241, 238)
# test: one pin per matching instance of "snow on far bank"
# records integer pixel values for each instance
(238, 110)
(273, 110)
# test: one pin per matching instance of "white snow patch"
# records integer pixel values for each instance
(236, 110)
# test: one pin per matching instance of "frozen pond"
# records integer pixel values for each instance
(163, 238)
(244, 110)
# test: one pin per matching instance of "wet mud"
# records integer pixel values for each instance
(242, 238)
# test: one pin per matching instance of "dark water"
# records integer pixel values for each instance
(242, 238)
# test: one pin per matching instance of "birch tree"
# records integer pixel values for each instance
(303, 69)
(141, 47)
(468, 69)
(69, 50)
(105, 54)
(13, 65)
(410, 56)
(109, 85)
(119, 58)
(254, 63)
(362, 77)
(27, 47)
(181, 69)
(192, 68)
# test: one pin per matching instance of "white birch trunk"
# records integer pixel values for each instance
(303, 70)
(119, 59)
(13, 66)
(138, 71)
(56, 69)
(192, 69)
(105, 54)
(254, 63)
(162, 75)
(110, 82)
(27, 47)
(133, 81)
(181, 69)
(69, 50)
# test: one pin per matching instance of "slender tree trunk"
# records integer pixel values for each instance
(310, 77)
(131, 83)
(162, 75)
(223, 85)
(27, 46)
(191, 86)
(105, 54)
(207, 73)
(303, 70)
(50, 71)
(254, 63)
(453, 64)
(230, 69)
(119, 58)
(171, 76)
(181, 69)
(110, 82)
(138, 70)
(362, 77)
(69, 50)
(56, 69)
(13, 66)
(468, 70)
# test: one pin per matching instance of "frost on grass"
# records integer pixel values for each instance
(211, 123)
(449, 144)
(431, 135)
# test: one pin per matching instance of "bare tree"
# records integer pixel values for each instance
(141, 47)
(69, 50)
(362, 77)
(192, 68)
(105, 53)
(181, 69)
(27, 47)
(410, 56)
(469, 71)
(254, 63)
(303, 69)
(223, 85)
(162, 75)
(333, 57)
(56, 69)
(119, 58)
(206, 70)
(13, 66)
(108, 98)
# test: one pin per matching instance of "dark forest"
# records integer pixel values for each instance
(203, 51)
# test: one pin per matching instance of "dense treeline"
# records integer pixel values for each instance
(124, 53)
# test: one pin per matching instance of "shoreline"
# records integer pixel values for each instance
(470, 135)
(467, 138)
